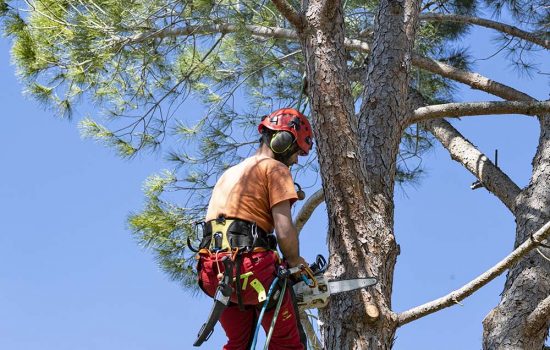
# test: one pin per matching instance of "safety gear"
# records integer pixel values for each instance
(292, 121)
(257, 274)
(225, 234)
(221, 301)
(281, 142)
(316, 295)
(235, 236)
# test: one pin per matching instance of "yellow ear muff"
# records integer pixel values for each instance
(281, 141)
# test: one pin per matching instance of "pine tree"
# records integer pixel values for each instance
(376, 79)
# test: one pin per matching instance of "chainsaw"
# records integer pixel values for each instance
(310, 295)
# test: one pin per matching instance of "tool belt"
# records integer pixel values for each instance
(225, 234)
(238, 236)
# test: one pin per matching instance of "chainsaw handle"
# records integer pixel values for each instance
(306, 274)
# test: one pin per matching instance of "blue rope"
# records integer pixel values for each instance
(264, 307)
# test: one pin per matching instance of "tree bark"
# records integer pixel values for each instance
(360, 235)
(332, 111)
(382, 120)
(449, 110)
(528, 283)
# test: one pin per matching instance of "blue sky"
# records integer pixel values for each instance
(72, 276)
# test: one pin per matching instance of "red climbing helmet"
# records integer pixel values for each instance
(291, 120)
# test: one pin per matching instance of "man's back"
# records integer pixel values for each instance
(250, 189)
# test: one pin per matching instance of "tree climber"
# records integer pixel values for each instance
(249, 201)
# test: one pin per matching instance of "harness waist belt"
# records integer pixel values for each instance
(227, 234)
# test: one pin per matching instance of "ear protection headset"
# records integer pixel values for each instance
(281, 141)
(291, 128)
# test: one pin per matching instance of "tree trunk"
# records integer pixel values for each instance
(360, 208)
(528, 283)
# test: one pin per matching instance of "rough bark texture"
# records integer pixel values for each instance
(361, 240)
(528, 283)
(336, 136)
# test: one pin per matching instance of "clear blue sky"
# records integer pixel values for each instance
(72, 277)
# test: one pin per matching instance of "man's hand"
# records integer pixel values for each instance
(297, 262)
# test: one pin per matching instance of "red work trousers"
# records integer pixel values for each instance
(239, 325)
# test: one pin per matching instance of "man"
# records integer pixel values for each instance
(249, 201)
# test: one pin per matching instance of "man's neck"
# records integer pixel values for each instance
(265, 151)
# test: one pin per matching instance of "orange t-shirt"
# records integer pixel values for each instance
(249, 190)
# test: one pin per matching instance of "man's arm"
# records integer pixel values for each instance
(287, 236)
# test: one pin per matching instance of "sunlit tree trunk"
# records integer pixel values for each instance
(357, 158)
(518, 322)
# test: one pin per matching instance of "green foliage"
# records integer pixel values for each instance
(533, 15)
(42, 93)
(141, 59)
(164, 229)
(4, 8)
(91, 129)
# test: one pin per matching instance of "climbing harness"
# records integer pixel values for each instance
(230, 238)
(228, 234)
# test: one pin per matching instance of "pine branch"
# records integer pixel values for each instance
(501, 27)
(474, 80)
(539, 317)
(460, 294)
(479, 108)
(223, 28)
(465, 153)
(289, 13)
(307, 209)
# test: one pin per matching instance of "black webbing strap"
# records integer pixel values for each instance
(238, 265)
(241, 234)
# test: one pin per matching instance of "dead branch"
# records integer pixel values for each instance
(474, 80)
(460, 294)
(479, 108)
(465, 153)
(288, 12)
(538, 318)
